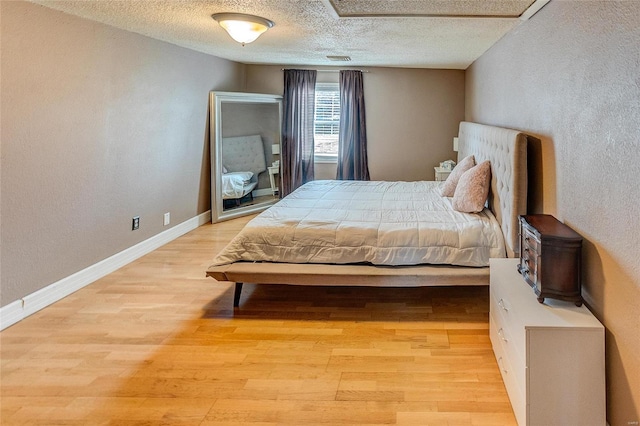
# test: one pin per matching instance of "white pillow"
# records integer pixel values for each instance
(449, 187)
(245, 177)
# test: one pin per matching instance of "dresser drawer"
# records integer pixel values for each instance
(512, 375)
(509, 328)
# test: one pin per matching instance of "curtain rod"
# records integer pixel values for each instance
(284, 69)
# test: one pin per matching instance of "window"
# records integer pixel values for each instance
(326, 123)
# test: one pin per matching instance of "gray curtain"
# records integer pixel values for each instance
(298, 106)
(352, 145)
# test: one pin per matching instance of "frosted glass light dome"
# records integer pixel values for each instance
(241, 27)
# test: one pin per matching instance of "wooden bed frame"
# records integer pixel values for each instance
(506, 149)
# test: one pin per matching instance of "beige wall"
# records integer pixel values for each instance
(98, 125)
(571, 76)
(412, 117)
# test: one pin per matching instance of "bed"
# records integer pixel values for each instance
(236, 185)
(506, 150)
(243, 161)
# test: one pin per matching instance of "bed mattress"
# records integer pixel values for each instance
(234, 184)
(381, 223)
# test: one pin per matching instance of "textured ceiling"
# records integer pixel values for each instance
(430, 8)
(394, 33)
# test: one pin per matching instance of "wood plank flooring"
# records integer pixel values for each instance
(157, 342)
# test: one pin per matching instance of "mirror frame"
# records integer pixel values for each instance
(216, 99)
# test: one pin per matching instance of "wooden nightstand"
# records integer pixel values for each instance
(441, 174)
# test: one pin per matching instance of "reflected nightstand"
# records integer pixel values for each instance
(273, 171)
(441, 174)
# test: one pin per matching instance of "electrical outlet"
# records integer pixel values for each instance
(167, 218)
(135, 224)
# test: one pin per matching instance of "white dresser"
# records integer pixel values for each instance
(551, 355)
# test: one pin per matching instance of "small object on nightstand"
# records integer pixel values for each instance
(441, 174)
(448, 165)
(550, 258)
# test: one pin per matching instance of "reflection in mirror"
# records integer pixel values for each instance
(245, 137)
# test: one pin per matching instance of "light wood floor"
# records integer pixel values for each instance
(158, 343)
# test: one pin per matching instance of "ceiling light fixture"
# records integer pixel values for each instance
(243, 28)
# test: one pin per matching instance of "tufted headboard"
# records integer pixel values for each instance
(506, 149)
(244, 154)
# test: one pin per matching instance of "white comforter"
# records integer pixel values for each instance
(233, 184)
(383, 223)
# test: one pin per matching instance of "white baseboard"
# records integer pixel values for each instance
(11, 314)
(20, 309)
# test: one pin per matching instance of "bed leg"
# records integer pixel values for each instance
(236, 295)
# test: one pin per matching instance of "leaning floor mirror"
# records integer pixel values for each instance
(245, 150)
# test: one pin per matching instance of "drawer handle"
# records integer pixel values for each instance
(501, 334)
(501, 304)
(501, 363)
